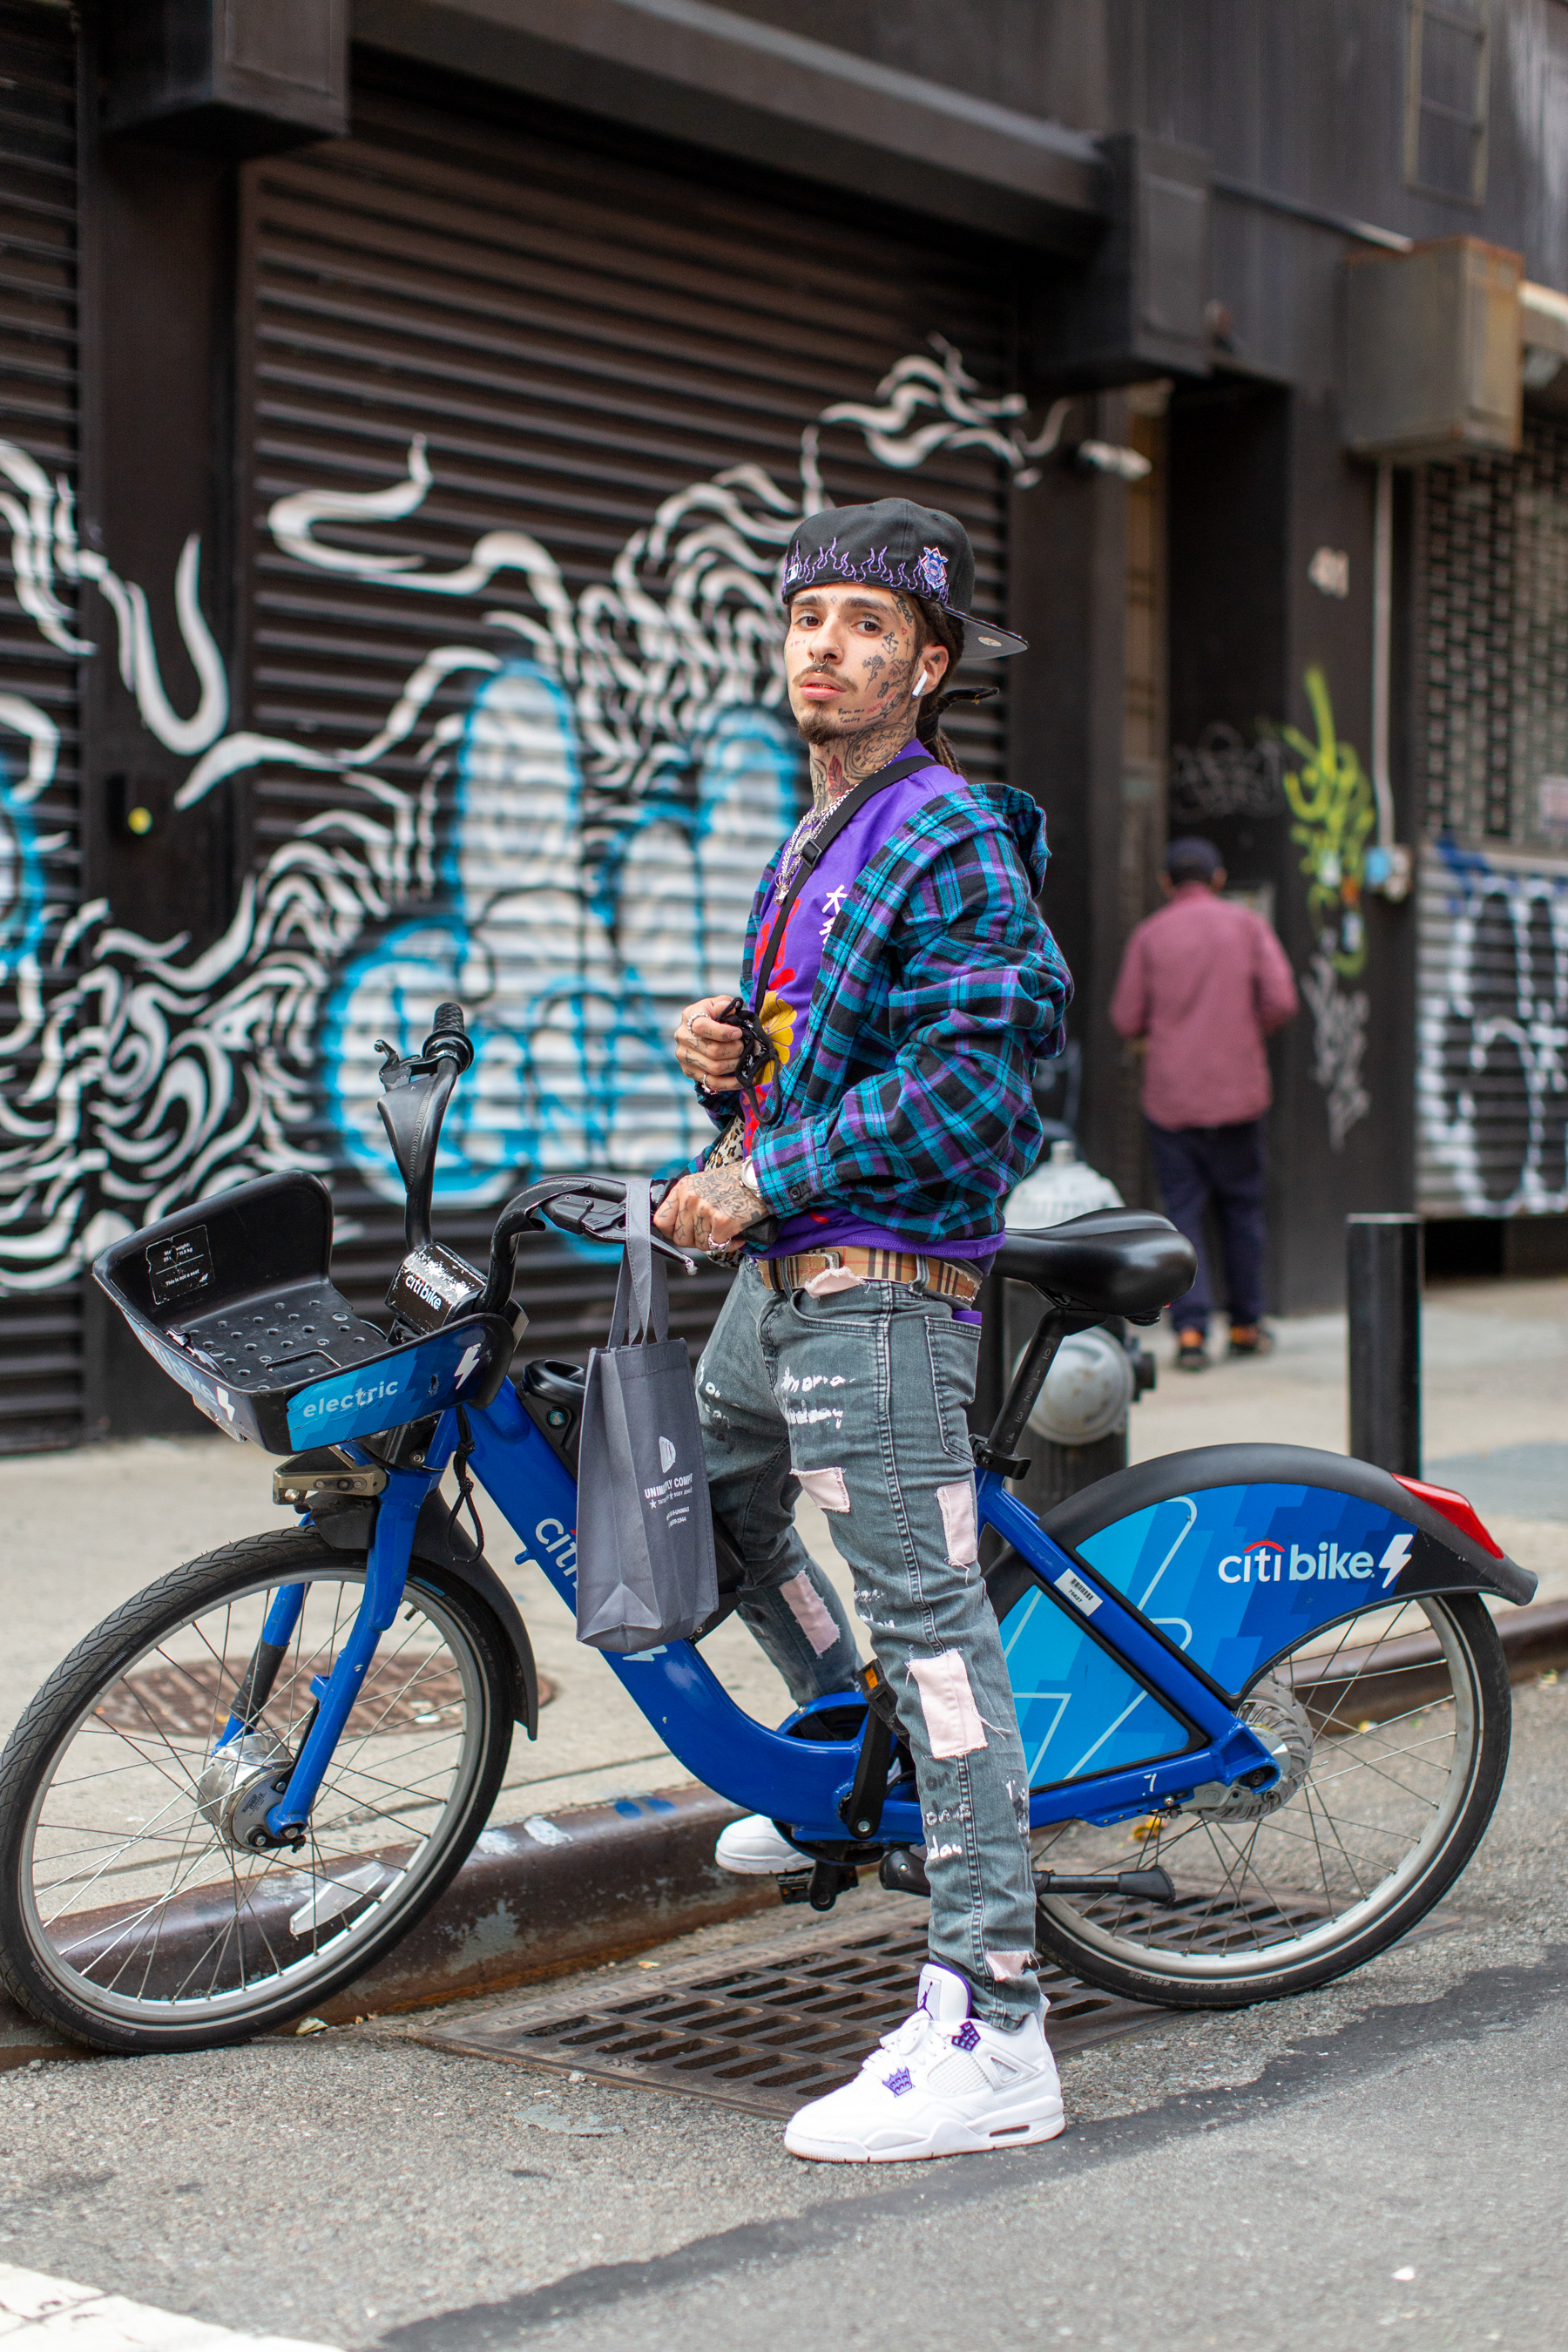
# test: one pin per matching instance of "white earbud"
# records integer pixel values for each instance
(921, 683)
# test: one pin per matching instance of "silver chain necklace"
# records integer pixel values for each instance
(799, 842)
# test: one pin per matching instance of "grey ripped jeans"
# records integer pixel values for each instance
(860, 1398)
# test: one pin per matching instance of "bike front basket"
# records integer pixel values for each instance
(234, 1298)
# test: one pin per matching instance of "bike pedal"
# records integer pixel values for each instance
(1153, 1885)
(821, 1885)
(902, 1873)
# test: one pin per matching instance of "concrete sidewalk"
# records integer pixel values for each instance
(87, 1530)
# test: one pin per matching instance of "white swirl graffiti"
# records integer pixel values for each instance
(43, 541)
(146, 1073)
(1492, 1056)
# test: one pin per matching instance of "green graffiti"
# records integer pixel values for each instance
(1329, 796)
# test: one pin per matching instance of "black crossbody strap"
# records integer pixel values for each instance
(811, 856)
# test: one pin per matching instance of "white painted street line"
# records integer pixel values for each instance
(35, 2310)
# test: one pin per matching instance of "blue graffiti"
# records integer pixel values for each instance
(572, 954)
(23, 915)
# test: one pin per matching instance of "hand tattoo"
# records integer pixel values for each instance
(697, 1206)
(726, 1192)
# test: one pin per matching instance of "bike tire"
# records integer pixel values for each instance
(1145, 1951)
(445, 1641)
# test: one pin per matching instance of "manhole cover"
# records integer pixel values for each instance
(768, 2030)
(187, 1702)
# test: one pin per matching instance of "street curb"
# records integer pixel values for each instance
(535, 1899)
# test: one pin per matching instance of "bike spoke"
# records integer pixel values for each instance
(1374, 1797)
(202, 1923)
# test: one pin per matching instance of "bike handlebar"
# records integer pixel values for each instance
(450, 1037)
(534, 1209)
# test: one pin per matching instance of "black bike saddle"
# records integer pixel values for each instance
(1112, 1262)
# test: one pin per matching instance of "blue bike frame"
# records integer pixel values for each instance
(803, 1783)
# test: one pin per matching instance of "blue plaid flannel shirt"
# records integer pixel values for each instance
(910, 1099)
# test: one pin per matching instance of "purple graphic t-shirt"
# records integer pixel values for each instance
(787, 1003)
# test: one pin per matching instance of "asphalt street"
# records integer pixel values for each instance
(1385, 2155)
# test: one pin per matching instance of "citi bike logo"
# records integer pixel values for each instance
(1267, 1562)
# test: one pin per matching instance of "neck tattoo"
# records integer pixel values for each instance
(837, 768)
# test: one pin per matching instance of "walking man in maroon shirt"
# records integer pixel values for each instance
(1203, 983)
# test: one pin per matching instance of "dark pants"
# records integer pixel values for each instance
(1226, 1165)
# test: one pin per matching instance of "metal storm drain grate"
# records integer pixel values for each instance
(772, 2030)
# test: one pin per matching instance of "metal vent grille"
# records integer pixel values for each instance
(1494, 629)
(781, 2025)
(40, 1331)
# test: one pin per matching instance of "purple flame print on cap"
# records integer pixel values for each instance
(805, 569)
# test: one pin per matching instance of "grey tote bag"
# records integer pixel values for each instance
(646, 1569)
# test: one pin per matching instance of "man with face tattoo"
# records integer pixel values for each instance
(872, 1083)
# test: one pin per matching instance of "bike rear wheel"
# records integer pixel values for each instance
(1397, 1739)
(129, 1918)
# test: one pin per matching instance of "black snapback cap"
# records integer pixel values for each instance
(895, 545)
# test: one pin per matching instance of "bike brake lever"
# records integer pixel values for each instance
(580, 1224)
(667, 1249)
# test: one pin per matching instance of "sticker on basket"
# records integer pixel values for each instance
(214, 1402)
(179, 1267)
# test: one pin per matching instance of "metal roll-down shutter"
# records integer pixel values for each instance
(1492, 974)
(525, 414)
(40, 1177)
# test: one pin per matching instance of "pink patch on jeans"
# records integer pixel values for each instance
(951, 1718)
(956, 1503)
(1006, 1966)
(811, 1614)
(826, 1487)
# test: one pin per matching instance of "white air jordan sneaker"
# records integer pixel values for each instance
(754, 1848)
(942, 2084)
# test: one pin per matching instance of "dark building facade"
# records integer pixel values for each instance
(407, 405)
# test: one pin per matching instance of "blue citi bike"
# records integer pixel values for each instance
(1263, 1702)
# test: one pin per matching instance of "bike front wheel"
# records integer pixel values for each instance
(1397, 1735)
(130, 1919)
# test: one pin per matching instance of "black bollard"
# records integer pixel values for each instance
(1383, 1295)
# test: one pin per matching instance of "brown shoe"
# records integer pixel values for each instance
(1250, 1339)
(1192, 1351)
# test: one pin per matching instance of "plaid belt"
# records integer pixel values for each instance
(943, 1277)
